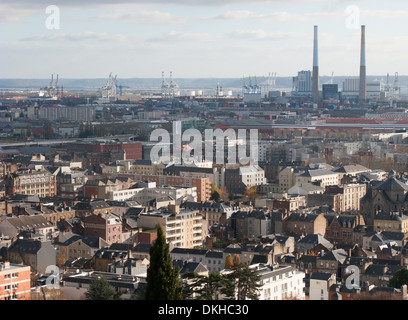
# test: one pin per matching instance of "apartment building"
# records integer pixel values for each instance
(344, 198)
(39, 255)
(138, 166)
(238, 180)
(179, 194)
(391, 221)
(182, 228)
(305, 223)
(213, 212)
(287, 178)
(351, 195)
(31, 182)
(322, 177)
(279, 283)
(69, 184)
(100, 188)
(106, 226)
(320, 283)
(15, 281)
(202, 184)
(216, 175)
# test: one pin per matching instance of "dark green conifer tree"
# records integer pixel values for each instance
(162, 278)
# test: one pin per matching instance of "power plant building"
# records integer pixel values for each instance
(302, 84)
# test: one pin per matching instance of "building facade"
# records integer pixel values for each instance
(15, 281)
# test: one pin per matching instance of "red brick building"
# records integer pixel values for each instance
(340, 229)
(133, 149)
(106, 226)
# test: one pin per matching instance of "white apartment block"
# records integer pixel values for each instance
(325, 177)
(150, 192)
(279, 282)
(183, 228)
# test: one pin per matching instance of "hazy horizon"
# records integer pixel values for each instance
(198, 38)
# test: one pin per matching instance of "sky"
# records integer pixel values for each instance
(199, 38)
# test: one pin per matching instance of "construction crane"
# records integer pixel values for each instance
(164, 87)
(173, 86)
(271, 81)
(397, 88)
(120, 86)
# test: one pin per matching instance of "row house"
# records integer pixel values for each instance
(131, 167)
(12, 227)
(79, 247)
(105, 257)
(214, 212)
(391, 221)
(305, 223)
(92, 206)
(53, 214)
(341, 228)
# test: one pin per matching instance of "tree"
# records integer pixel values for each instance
(215, 196)
(207, 288)
(228, 262)
(100, 289)
(246, 282)
(251, 193)
(399, 278)
(237, 260)
(48, 130)
(162, 277)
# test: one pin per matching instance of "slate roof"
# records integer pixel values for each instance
(93, 242)
(316, 173)
(392, 216)
(321, 276)
(382, 270)
(92, 205)
(25, 246)
(193, 267)
(339, 255)
(391, 183)
(302, 217)
(189, 251)
(316, 239)
(259, 258)
(351, 168)
(214, 254)
(27, 222)
(142, 247)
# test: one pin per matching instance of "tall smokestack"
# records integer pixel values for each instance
(363, 70)
(315, 83)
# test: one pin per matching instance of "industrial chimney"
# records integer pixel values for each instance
(363, 71)
(315, 83)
